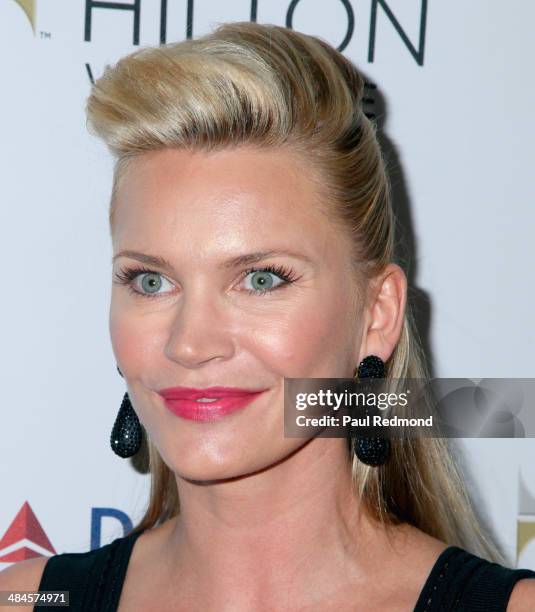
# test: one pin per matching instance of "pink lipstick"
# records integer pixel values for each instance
(207, 404)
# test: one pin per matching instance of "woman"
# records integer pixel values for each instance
(253, 240)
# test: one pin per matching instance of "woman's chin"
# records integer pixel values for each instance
(208, 474)
(208, 465)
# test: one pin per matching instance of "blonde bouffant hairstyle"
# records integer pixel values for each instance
(271, 87)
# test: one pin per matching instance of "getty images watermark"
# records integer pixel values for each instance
(410, 407)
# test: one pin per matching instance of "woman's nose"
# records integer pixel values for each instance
(200, 331)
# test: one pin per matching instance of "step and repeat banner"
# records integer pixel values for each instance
(455, 110)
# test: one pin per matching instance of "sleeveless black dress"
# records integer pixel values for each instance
(458, 582)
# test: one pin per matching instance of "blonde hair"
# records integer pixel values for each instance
(269, 86)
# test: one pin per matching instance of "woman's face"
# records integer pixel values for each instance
(204, 321)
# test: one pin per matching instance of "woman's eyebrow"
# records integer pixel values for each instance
(239, 260)
(250, 258)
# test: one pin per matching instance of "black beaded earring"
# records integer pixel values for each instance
(372, 451)
(125, 439)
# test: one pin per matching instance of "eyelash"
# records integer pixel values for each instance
(126, 276)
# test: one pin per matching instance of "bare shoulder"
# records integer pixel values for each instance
(523, 596)
(409, 542)
(22, 576)
(405, 556)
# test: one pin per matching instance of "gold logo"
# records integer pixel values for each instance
(28, 6)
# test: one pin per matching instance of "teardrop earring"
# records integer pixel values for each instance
(125, 439)
(372, 451)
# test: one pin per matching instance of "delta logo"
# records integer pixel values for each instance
(25, 537)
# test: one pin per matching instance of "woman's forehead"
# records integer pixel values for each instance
(228, 191)
(251, 168)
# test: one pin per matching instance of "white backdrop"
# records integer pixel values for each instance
(460, 139)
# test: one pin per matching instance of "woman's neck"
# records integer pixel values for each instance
(291, 533)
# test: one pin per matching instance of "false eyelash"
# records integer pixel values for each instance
(125, 276)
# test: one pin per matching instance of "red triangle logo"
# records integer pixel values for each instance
(25, 525)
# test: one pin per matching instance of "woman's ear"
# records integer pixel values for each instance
(384, 313)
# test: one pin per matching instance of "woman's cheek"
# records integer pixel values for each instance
(130, 341)
(294, 342)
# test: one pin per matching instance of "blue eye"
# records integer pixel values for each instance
(151, 281)
(262, 281)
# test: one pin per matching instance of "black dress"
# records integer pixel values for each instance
(459, 581)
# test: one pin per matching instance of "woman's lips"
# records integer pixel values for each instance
(208, 411)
